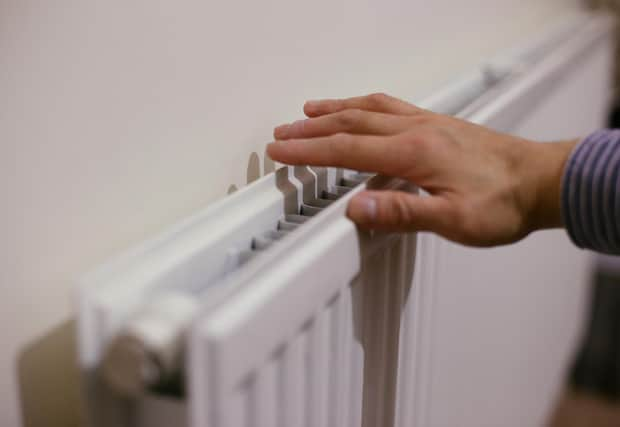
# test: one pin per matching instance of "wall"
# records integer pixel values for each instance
(118, 118)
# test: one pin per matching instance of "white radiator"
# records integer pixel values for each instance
(269, 308)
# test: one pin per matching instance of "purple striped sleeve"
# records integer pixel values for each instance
(591, 192)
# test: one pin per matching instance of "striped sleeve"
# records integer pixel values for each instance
(591, 192)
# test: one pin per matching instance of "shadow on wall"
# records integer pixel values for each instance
(49, 380)
(253, 171)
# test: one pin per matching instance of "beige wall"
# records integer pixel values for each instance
(614, 7)
(119, 117)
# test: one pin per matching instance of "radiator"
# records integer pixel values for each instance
(270, 309)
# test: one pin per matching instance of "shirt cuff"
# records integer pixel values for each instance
(591, 192)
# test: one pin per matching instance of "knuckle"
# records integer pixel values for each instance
(411, 145)
(378, 99)
(335, 105)
(419, 142)
(400, 210)
(349, 118)
(421, 139)
(342, 138)
(422, 119)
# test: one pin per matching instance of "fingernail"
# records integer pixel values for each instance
(312, 103)
(365, 207)
(281, 131)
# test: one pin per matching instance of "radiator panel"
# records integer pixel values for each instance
(324, 361)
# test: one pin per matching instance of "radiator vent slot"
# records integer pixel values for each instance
(288, 223)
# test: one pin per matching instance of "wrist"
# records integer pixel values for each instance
(541, 177)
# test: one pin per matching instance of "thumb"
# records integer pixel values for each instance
(397, 211)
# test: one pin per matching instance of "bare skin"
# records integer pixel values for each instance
(485, 188)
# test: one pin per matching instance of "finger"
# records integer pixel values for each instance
(377, 102)
(399, 211)
(381, 154)
(350, 121)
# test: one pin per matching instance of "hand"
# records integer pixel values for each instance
(485, 188)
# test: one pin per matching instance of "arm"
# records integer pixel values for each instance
(485, 188)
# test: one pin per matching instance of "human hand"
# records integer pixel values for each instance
(485, 188)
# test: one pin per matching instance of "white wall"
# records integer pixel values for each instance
(119, 117)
